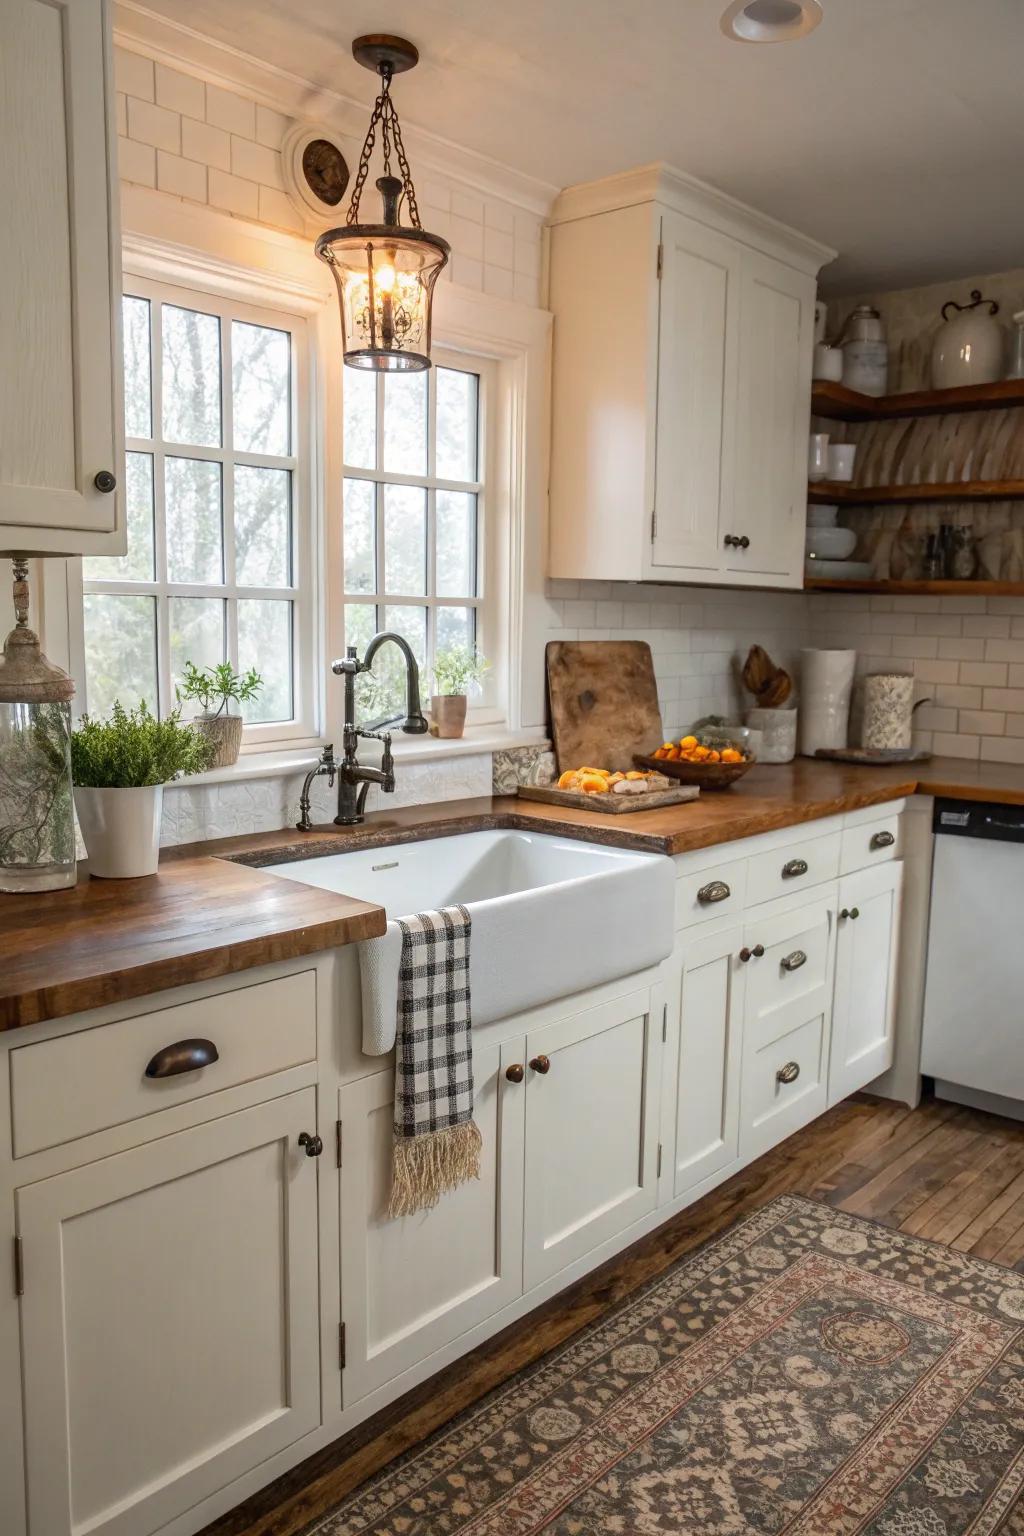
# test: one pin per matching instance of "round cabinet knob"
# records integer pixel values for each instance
(541, 1064)
(105, 481)
(743, 542)
(755, 953)
(852, 912)
(516, 1072)
(313, 1144)
(745, 954)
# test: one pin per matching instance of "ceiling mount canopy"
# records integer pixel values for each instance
(385, 273)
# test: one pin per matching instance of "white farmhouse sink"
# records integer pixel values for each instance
(550, 916)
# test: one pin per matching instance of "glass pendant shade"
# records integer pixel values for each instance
(385, 277)
(385, 273)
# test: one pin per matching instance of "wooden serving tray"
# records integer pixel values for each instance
(874, 756)
(609, 804)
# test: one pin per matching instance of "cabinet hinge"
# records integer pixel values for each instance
(661, 261)
(337, 1141)
(341, 1345)
(664, 1022)
(654, 524)
(19, 1268)
(659, 1160)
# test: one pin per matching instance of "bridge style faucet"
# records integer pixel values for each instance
(354, 779)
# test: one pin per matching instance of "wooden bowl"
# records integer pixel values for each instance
(707, 775)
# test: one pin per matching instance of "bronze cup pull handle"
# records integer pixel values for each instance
(541, 1064)
(882, 840)
(794, 961)
(789, 1073)
(715, 890)
(794, 868)
(516, 1072)
(182, 1056)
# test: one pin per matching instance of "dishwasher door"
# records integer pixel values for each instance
(974, 996)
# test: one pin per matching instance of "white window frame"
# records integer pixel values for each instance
(258, 308)
(488, 707)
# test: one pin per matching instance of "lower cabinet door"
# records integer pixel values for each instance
(708, 1076)
(412, 1285)
(591, 1131)
(169, 1320)
(784, 1084)
(864, 1008)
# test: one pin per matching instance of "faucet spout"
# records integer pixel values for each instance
(414, 723)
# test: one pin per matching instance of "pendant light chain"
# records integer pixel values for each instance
(390, 131)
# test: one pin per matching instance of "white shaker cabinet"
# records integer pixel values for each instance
(707, 1089)
(170, 1320)
(60, 390)
(681, 385)
(412, 1285)
(864, 1004)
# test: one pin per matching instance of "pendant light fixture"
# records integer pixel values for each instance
(385, 272)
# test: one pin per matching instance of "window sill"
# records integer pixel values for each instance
(407, 749)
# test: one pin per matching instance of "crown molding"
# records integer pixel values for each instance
(169, 42)
(664, 184)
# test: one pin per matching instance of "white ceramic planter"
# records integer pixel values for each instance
(826, 680)
(121, 830)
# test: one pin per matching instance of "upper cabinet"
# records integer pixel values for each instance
(684, 332)
(60, 405)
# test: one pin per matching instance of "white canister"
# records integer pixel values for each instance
(778, 733)
(970, 344)
(826, 682)
(121, 829)
(840, 457)
(888, 711)
(828, 363)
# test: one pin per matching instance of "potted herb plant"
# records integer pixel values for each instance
(457, 671)
(214, 689)
(119, 768)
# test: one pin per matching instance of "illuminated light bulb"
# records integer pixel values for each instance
(384, 277)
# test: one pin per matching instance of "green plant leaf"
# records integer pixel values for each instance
(132, 749)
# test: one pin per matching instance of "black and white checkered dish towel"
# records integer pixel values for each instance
(437, 1143)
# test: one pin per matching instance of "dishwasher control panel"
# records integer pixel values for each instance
(977, 818)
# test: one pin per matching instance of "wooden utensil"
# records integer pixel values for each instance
(770, 685)
(603, 701)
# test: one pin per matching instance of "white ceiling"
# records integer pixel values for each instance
(894, 132)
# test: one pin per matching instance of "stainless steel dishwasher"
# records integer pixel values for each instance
(973, 1043)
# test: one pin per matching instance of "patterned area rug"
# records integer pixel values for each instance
(809, 1373)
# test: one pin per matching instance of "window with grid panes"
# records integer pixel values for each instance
(215, 500)
(413, 517)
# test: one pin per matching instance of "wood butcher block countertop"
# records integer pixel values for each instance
(211, 910)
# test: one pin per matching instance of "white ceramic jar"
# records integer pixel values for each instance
(970, 344)
(777, 728)
(865, 352)
(826, 682)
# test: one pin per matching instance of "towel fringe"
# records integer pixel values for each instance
(426, 1167)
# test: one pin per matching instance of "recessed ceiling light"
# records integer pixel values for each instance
(770, 21)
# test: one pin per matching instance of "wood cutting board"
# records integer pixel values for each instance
(603, 701)
(609, 805)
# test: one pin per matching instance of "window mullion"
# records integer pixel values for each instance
(229, 637)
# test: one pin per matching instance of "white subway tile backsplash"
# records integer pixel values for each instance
(180, 93)
(1000, 749)
(133, 74)
(467, 205)
(988, 674)
(228, 110)
(947, 744)
(988, 628)
(203, 142)
(271, 126)
(962, 650)
(136, 162)
(498, 282)
(1004, 698)
(982, 722)
(1004, 650)
(183, 178)
(255, 162)
(150, 124)
(277, 208)
(234, 194)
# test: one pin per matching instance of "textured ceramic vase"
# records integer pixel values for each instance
(449, 714)
(121, 830)
(888, 712)
(224, 732)
(826, 681)
(778, 733)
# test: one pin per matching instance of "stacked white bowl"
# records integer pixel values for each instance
(827, 548)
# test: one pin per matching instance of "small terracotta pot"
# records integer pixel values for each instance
(449, 712)
(225, 732)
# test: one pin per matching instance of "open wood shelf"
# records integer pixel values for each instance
(826, 491)
(837, 403)
(919, 588)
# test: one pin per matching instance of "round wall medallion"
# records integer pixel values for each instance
(315, 170)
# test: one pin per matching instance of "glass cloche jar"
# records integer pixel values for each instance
(37, 819)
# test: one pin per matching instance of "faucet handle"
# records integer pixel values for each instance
(387, 762)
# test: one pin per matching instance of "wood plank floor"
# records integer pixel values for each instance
(943, 1172)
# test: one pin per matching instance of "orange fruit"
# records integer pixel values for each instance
(688, 743)
(730, 755)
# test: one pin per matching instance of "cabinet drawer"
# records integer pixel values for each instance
(711, 893)
(871, 843)
(77, 1084)
(781, 871)
(788, 966)
(784, 1086)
